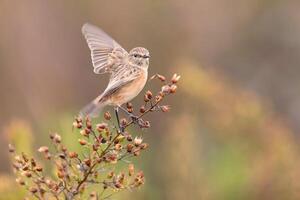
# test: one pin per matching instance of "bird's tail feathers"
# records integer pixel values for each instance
(92, 109)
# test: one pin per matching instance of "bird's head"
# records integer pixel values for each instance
(139, 56)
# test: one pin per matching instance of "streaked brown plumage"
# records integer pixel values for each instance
(128, 71)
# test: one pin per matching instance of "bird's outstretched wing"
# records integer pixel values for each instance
(105, 51)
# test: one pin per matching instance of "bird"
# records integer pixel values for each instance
(128, 71)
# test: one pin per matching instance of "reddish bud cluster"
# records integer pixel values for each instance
(106, 144)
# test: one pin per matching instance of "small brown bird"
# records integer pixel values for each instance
(128, 71)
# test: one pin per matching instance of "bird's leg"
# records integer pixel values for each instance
(118, 120)
(132, 116)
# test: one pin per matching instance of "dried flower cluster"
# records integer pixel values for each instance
(106, 143)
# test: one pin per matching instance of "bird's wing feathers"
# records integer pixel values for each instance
(105, 51)
(125, 75)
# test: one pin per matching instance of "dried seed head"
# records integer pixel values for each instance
(96, 146)
(137, 152)
(112, 158)
(82, 142)
(88, 123)
(146, 124)
(60, 174)
(93, 194)
(85, 132)
(118, 185)
(38, 168)
(130, 169)
(20, 181)
(165, 89)
(161, 77)
(87, 161)
(165, 108)
(107, 115)
(142, 109)
(111, 174)
(25, 167)
(27, 174)
(130, 110)
(144, 146)
(18, 159)
(57, 138)
(118, 147)
(146, 99)
(48, 156)
(173, 88)
(175, 78)
(158, 98)
(137, 141)
(101, 126)
(73, 154)
(149, 94)
(25, 158)
(33, 162)
(33, 190)
(129, 138)
(123, 122)
(11, 148)
(129, 147)
(129, 105)
(43, 149)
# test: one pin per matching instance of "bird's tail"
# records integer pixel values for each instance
(92, 109)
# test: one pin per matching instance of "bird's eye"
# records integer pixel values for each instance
(135, 55)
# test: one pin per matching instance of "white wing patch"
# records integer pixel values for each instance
(105, 51)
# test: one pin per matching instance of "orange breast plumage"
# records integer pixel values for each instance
(129, 91)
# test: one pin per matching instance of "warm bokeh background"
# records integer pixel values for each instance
(232, 132)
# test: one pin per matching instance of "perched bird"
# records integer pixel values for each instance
(128, 71)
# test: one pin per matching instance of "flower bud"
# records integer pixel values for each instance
(158, 98)
(130, 169)
(129, 148)
(20, 181)
(107, 115)
(149, 94)
(110, 174)
(144, 146)
(73, 154)
(175, 78)
(118, 147)
(129, 138)
(123, 122)
(129, 105)
(33, 190)
(161, 77)
(87, 162)
(82, 142)
(165, 89)
(142, 109)
(137, 152)
(60, 174)
(101, 126)
(165, 108)
(11, 148)
(57, 138)
(137, 141)
(146, 99)
(173, 88)
(85, 132)
(38, 168)
(43, 149)
(27, 174)
(88, 123)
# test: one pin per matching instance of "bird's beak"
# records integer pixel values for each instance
(145, 56)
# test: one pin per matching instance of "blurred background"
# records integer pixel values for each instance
(233, 129)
